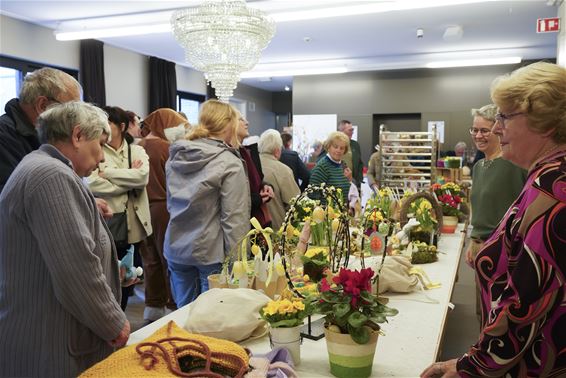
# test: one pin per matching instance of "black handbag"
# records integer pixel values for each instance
(118, 224)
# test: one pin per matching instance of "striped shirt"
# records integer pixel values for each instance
(332, 174)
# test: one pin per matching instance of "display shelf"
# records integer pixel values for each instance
(407, 158)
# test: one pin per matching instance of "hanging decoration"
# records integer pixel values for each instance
(222, 38)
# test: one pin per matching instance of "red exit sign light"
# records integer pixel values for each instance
(548, 25)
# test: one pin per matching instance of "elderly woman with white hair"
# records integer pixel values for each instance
(278, 175)
(59, 278)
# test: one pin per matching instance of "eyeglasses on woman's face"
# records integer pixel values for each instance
(483, 132)
(501, 118)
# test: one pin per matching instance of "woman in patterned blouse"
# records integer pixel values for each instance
(521, 269)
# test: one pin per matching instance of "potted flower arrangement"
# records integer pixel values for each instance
(315, 261)
(450, 197)
(285, 318)
(421, 210)
(352, 321)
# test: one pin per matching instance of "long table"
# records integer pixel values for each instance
(412, 340)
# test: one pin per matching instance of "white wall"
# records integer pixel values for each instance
(127, 81)
(27, 41)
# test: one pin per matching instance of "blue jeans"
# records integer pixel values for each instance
(189, 281)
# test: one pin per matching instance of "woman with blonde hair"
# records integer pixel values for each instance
(208, 199)
(331, 170)
(521, 267)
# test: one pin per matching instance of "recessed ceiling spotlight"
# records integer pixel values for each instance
(287, 88)
(307, 39)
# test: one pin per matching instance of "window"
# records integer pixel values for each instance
(12, 73)
(10, 81)
(189, 104)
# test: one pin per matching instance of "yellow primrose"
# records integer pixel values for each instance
(299, 305)
(271, 308)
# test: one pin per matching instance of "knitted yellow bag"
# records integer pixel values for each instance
(172, 351)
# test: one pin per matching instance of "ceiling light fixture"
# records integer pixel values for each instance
(154, 22)
(222, 38)
(474, 62)
(294, 72)
(112, 32)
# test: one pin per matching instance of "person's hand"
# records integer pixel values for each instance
(130, 282)
(470, 256)
(348, 173)
(266, 193)
(445, 369)
(122, 337)
(103, 208)
(137, 164)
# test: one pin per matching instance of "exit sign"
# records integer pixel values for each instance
(548, 25)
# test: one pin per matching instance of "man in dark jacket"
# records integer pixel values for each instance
(292, 160)
(353, 160)
(18, 134)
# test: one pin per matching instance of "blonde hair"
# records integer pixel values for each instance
(539, 90)
(215, 118)
(337, 136)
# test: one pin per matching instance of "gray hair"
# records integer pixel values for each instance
(48, 82)
(56, 124)
(486, 112)
(269, 141)
(460, 145)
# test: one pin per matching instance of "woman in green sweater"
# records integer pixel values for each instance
(496, 182)
(330, 169)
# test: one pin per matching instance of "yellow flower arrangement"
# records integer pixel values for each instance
(285, 312)
(317, 253)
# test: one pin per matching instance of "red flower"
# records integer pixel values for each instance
(324, 285)
(353, 282)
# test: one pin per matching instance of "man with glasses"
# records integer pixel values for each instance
(496, 183)
(18, 134)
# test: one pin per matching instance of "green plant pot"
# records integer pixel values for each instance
(423, 236)
(347, 358)
(314, 271)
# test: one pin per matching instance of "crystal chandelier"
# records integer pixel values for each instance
(222, 38)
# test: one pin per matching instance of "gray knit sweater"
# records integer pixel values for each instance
(59, 284)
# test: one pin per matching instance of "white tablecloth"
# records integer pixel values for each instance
(413, 337)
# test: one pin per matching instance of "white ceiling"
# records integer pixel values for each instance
(368, 42)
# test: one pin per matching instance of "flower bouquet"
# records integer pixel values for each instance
(285, 318)
(352, 318)
(450, 197)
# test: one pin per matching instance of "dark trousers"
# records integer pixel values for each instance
(128, 291)
(156, 277)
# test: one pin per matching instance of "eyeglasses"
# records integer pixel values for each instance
(53, 100)
(502, 117)
(484, 132)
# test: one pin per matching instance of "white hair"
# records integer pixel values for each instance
(56, 124)
(270, 141)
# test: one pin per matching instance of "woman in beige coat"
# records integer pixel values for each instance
(121, 180)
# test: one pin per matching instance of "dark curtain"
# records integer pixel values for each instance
(210, 92)
(162, 84)
(91, 72)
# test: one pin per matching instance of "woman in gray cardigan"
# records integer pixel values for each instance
(59, 279)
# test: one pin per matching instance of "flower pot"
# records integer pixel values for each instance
(449, 224)
(288, 338)
(314, 271)
(349, 359)
(217, 281)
